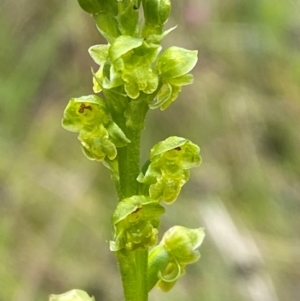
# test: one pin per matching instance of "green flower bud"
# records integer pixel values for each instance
(156, 14)
(168, 169)
(128, 17)
(135, 223)
(107, 24)
(92, 6)
(105, 15)
(73, 295)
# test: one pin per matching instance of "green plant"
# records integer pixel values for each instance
(133, 77)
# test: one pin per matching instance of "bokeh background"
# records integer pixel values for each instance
(243, 110)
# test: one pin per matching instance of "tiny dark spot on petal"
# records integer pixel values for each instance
(83, 107)
(137, 209)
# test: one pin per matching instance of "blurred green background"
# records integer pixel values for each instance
(243, 110)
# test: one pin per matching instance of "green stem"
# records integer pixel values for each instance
(132, 264)
(133, 268)
(128, 159)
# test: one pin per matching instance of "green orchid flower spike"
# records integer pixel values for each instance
(168, 171)
(134, 75)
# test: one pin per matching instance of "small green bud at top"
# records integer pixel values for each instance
(156, 14)
(106, 19)
(128, 17)
(73, 295)
(90, 6)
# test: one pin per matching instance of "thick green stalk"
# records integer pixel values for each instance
(132, 264)
(128, 159)
(133, 268)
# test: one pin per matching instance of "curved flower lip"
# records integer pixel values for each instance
(173, 276)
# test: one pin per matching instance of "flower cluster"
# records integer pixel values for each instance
(126, 62)
(168, 169)
(135, 223)
(167, 260)
(98, 134)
